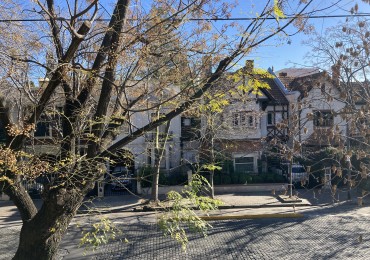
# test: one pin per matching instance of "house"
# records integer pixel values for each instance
(250, 120)
(318, 109)
(20, 104)
(293, 104)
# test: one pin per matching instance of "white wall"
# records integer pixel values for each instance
(228, 131)
(316, 101)
(139, 147)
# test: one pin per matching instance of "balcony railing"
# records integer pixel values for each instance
(277, 132)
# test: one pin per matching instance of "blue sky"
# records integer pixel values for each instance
(281, 52)
(291, 51)
(288, 51)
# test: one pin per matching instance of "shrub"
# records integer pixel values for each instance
(257, 179)
(269, 178)
(226, 179)
(217, 178)
(279, 178)
(235, 178)
(145, 175)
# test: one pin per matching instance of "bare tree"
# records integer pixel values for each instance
(95, 77)
(344, 53)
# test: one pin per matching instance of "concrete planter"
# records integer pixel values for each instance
(161, 190)
(240, 188)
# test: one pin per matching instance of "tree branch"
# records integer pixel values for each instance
(55, 81)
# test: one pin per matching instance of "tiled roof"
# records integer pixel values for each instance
(302, 82)
(275, 93)
(297, 72)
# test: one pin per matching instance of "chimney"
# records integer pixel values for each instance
(249, 65)
(283, 74)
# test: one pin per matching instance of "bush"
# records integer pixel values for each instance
(226, 179)
(269, 178)
(175, 179)
(235, 178)
(257, 179)
(279, 178)
(145, 175)
(217, 179)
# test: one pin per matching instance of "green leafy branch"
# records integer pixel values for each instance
(103, 232)
(182, 214)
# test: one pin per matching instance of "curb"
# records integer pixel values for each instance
(259, 216)
(286, 205)
(144, 208)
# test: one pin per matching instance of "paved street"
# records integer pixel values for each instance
(325, 232)
(335, 235)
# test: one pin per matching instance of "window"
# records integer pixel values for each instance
(186, 121)
(270, 118)
(244, 164)
(149, 157)
(42, 129)
(323, 118)
(3, 133)
(190, 156)
(243, 119)
(323, 88)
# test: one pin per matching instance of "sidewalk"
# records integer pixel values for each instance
(234, 200)
(121, 211)
(238, 205)
(252, 203)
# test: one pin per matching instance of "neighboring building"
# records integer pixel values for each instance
(249, 122)
(318, 108)
(296, 99)
(20, 105)
(143, 148)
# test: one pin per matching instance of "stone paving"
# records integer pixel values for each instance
(332, 236)
(326, 232)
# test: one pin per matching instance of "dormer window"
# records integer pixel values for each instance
(243, 119)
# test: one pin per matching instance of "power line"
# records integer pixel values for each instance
(209, 19)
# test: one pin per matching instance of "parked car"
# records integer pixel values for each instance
(299, 173)
(121, 178)
(33, 187)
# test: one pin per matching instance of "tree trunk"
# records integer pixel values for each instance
(212, 184)
(21, 200)
(39, 242)
(158, 157)
(155, 184)
(40, 237)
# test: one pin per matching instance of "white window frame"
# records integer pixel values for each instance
(244, 163)
(243, 119)
(323, 118)
(272, 118)
(48, 133)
